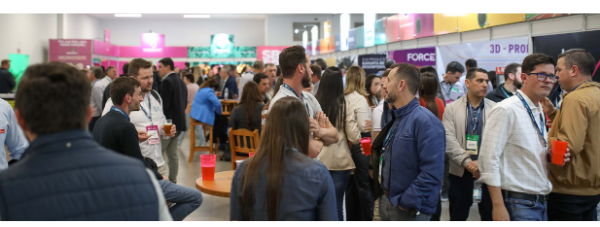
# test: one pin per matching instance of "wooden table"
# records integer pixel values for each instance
(227, 106)
(221, 186)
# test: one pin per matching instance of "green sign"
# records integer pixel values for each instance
(208, 52)
(221, 45)
(18, 65)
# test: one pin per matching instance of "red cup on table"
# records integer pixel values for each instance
(366, 145)
(207, 162)
(251, 154)
(559, 149)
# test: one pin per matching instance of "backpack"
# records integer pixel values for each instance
(156, 96)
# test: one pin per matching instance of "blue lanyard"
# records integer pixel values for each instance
(503, 91)
(539, 129)
(303, 98)
(149, 113)
(449, 90)
(117, 109)
(389, 137)
(474, 116)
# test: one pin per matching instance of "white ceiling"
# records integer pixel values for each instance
(180, 16)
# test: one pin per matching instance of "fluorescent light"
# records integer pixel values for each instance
(128, 15)
(196, 16)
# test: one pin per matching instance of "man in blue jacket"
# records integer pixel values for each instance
(412, 162)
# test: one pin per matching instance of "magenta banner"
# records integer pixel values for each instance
(153, 45)
(71, 51)
(105, 49)
(130, 51)
(175, 52)
(418, 57)
(269, 54)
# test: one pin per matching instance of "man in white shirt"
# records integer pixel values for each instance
(271, 71)
(98, 87)
(514, 156)
(451, 87)
(11, 135)
(257, 67)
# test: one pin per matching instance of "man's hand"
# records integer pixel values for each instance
(314, 148)
(473, 167)
(547, 106)
(499, 213)
(567, 157)
(218, 93)
(322, 119)
(165, 178)
(235, 96)
(315, 127)
(142, 136)
(173, 131)
(477, 174)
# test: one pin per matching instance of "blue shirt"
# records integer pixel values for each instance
(307, 192)
(478, 130)
(413, 162)
(11, 135)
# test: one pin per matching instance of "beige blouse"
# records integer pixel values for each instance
(337, 156)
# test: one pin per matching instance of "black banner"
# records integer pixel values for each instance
(372, 63)
(554, 45)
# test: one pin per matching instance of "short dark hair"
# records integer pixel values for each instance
(389, 62)
(321, 63)
(581, 58)
(126, 68)
(258, 64)
(386, 73)
(187, 64)
(168, 62)
(316, 71)
(511, 68)
(290, 58)
(190, 77)
(454, 67)
(278, 71)
(259, 76)
(471, 63)
(122, 86)
(5, 61)
(61, 91)
(136, 64)
(410, 74)
(269, 65)
(533, 60)
(472, 73)
(428, 68)
(97, 71)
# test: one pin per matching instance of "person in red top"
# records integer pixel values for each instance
(427, 95)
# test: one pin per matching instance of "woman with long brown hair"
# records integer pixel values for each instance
(280, 182)
(428, 93)
(248, 112)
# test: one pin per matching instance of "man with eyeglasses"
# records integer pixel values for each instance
(514, 157)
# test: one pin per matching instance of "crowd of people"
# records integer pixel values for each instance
(104, 147)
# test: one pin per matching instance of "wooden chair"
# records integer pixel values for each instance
(208, 129)
(227, 107)
(235, 138)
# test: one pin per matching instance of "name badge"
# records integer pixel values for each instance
(472, 141)
(455, 89)
(152, 130)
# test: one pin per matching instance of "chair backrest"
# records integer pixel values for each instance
(227, 107)
(242, 136)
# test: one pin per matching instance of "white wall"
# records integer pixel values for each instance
(186, 32)
(280, 32)
(81, 26)
(29, 32)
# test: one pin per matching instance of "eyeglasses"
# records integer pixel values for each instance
(543, 77)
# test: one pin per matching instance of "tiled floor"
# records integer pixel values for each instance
(215, 208)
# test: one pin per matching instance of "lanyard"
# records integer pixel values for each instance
(296, 94)
(504, 91)
(539, 128)
(149, 113)
(474, 115)
(449, 90)
(117, 109)
(389, 137)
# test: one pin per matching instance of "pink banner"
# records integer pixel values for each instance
(180, 64)
(71, 51)
(153, 45)
(105, 49)
(106, 36)
(269, 54)
(176, 52)
(130, 51)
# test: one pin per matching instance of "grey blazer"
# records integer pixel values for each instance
(455, 123)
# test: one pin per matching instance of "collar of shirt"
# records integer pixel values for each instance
(46, 142)
(530, 103)
(121, 111)
(405, 110)
(164, 78)
(108, 79)
(507, 93)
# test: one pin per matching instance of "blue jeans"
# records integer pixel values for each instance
(340, 181)
(526, 210)
(186, 200)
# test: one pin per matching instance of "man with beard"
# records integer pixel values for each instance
(412, 156)
(512, 76)
(295, 67)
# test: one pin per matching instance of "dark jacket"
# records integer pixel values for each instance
(69, 176)
(156, 81)
(106, 95)
(116, 133)
(238, 119)
(496, 95)
(174, 95)
(7, 81)
(232, 87)
(413, 167)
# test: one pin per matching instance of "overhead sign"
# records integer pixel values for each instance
(235, 52)
(269, 54)
(369, 19)
(71, 51)
(221, 45)
(380, 32)
(418, 57)
(372, 63)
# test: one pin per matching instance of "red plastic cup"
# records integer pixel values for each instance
(559, 149)
(207, 162)
(366, 145)
(251, 154)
